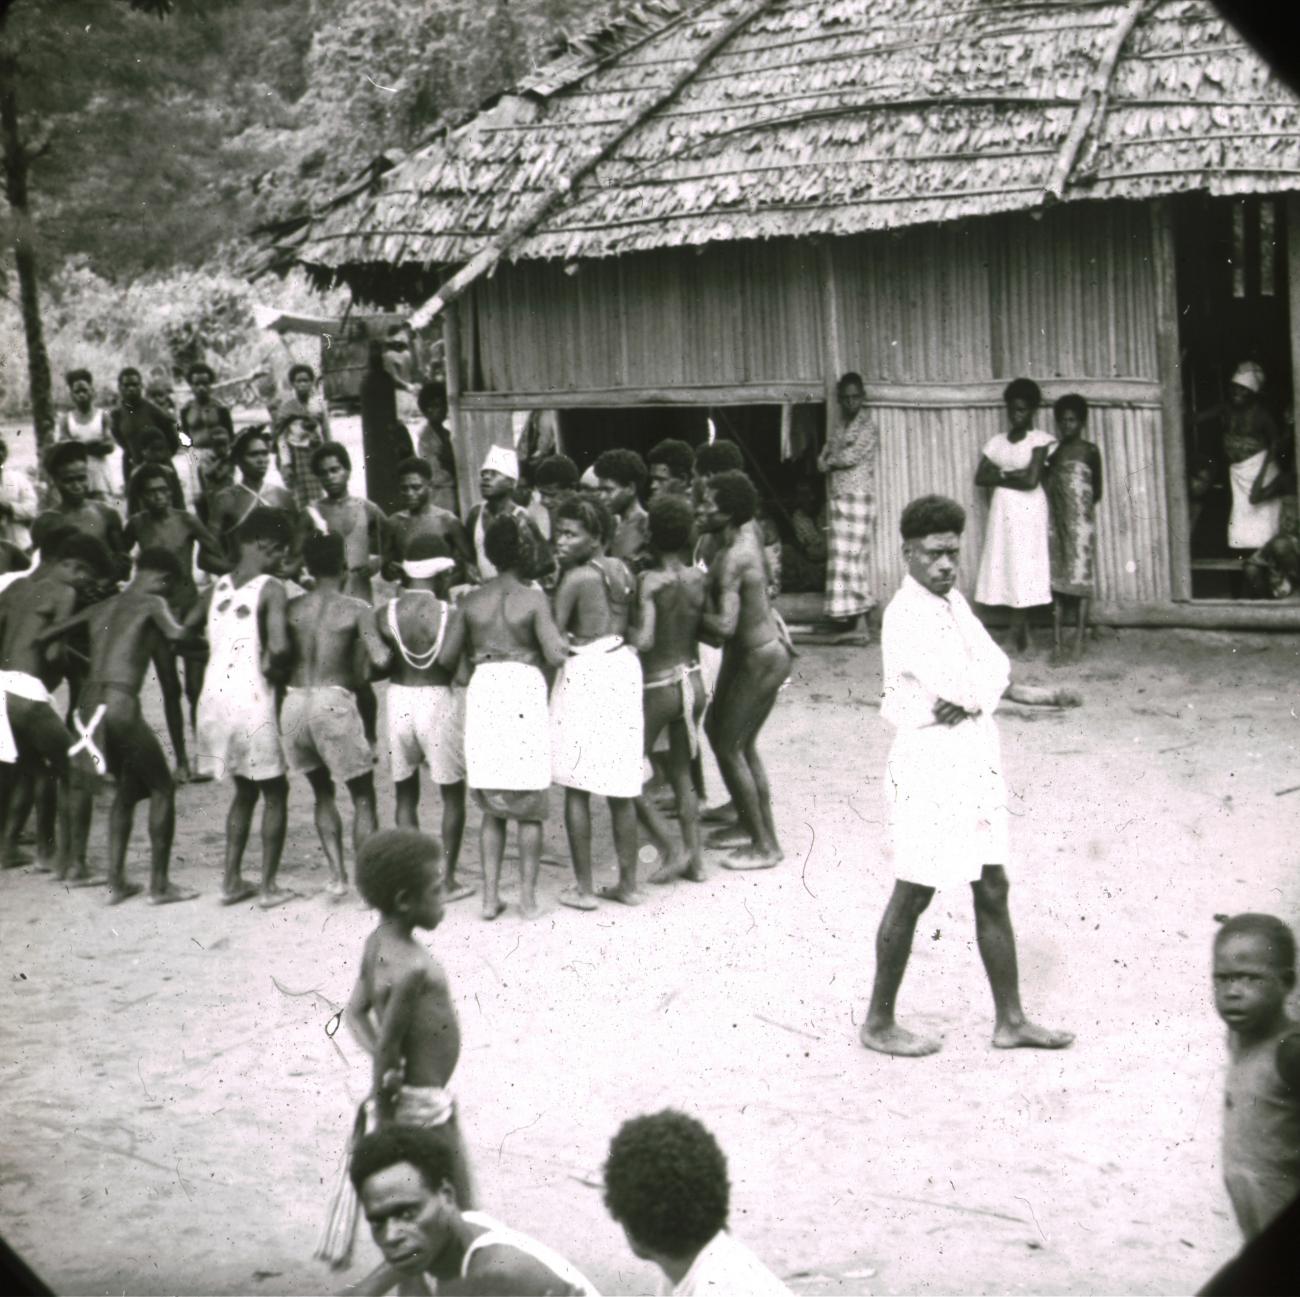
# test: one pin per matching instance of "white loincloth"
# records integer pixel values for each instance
(598, 721)
(21, 685)
(1251, 526)
(947, 803)
(507, 732)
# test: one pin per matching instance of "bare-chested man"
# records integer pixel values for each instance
(421, 517)
(670, 605)
(68, 466)
(228, 507)
(597, 729)
(38, 740)
(334, 645)
(622, 477)
(362, 525)
(112, 737)
(509, 635)
(756, 660)
(426, 702)
(160, 525)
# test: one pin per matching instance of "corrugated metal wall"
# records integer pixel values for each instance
(1067, 299)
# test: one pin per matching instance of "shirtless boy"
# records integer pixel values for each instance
(421, 517)
(1254, 974)
(160, 525)
(597, 727)
(756, 660)
(362, 525)
(29, 670)
(426, 704)
(334, 643)
(400, 1011)
(670, 606)
(112, 737)
(406, 1182)
(236, 735)
(510, 635)
(228, 508)
(622, 476)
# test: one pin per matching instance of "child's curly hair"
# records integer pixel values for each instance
(394, 861)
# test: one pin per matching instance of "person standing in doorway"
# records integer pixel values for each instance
(947, 801)
(378, 419)
(433, 445)
(1015, 566)
(849, 462)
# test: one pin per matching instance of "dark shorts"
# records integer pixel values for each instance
(119, 742)
(39, 734)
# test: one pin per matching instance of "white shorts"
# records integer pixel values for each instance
(426, 727)
(234, 735)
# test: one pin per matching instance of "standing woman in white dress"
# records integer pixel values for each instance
(1015, 569)
(89, 425)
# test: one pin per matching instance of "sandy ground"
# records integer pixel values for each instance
(176, 1105)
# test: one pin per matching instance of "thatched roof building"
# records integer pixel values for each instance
(727, 203)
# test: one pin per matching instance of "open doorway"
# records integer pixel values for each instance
(1232, 308)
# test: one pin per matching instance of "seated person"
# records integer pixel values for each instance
(1273, 570)
(803, 559)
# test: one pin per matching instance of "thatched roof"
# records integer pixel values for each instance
(832, 117)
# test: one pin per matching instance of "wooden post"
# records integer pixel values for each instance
(1171, 398)
(465, 467)
(1293, 307)
(830, 302)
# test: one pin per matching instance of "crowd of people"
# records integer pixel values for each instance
(570, 632)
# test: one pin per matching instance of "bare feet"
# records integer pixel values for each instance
(182, 774)
(274, 896)
(898, 1041)
(623, 895)
(530, 909)
(46, 866)
(123, 892)
(724, 814)
(83, 878)
(200, 777)
(15, 858)
(491, 911)
(577, 900)
(1029, 1035)
(455, 891)
(751, 857)
(731, 836)
(171, 894)
(671, 870)
(240, 892)
(336, 890)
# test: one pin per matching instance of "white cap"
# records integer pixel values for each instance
(1250, 376)
(500, 459)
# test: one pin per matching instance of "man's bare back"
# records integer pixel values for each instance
(679, 593)
(422, 619)
(507, 621)
(594, 599)
(326, 631)
(124, 632)
(28, 608)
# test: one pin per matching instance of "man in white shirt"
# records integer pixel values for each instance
(943, 679)
(666, 1185)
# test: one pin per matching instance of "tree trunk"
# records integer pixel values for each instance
(16, 166)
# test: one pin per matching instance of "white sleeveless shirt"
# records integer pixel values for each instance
(502, 1235)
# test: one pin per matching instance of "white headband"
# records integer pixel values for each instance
(422, 569)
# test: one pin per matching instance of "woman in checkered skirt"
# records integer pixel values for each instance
(849, 462)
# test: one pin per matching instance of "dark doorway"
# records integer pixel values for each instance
(1232, 307)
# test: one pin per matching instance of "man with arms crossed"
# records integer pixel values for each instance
(943, 678)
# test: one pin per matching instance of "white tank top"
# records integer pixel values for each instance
(235, 641)
(503, 1236)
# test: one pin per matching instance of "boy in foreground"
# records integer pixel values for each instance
(1254, 973)
(666, 1185)
(405, 1179)
(333, 646)
(400, 1011)
(943, 678)
(112, 736)
(426, 705)
(670, 606)
(236, 735)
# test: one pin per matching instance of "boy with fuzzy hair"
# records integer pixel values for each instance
(622, 476)
(666, 1185)
(401, 1013)
(1254, 974)
(67, 464)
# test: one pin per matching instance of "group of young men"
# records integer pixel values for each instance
(586, 633)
